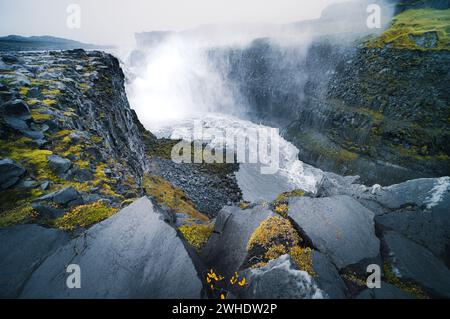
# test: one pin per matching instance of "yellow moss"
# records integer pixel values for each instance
(275, 251)
(23, 91)
(82, 164)
(166, 194)
(244, 205)
(96, 139)
(32, 102)
(286, 195)
(49, 102)
(282, 209)
(31, 158)
(51, 92)
(273, 231)
(197, 234)
(408, 287)
(18, 215)
(85, 215)
(303, 258)
(40, 117)
(416, 22)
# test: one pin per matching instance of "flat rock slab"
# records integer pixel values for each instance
(338, 226)
(412, 262)
(133, 254)
(23, 248)
(227, 247)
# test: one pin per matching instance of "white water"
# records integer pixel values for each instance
(178, 86)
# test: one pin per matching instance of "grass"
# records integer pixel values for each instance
(85, 216)
(416, 22)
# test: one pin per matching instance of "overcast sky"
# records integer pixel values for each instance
(115, 21)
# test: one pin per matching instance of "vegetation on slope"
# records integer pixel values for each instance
(419, 29)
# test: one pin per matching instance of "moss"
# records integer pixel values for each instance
(286, 195)
(51, 92)
(377, 117)
(18, 215)
(281, 209)
(303, 258)
(32, 102)
(197, 234)
(408, 287)
(33, 159)
(244, 205)
(415, 22)
(96, 139)
(275, 251)
(40, 117)
(166, 194)
(273, 231)
(83, 164)
(85, 215)
(23, 91)
(49, 102)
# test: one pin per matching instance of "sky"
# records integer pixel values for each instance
(116, 21)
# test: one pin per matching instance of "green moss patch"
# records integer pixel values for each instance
(85, 215)
(197, 234)
(414, 23)
(407, 287)
(174, 198)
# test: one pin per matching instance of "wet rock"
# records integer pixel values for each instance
(81, 175)
(279, 279)
(10, 173)
(7, 58)
(133, 254)
(412, 262)
(386, 291)
(338, 226)
(58, 164)
(226, 249)
(23, 249)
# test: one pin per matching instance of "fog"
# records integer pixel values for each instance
(114, 22)
(173, 76)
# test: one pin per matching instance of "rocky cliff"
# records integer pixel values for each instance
(376, 107)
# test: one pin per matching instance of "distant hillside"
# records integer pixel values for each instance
(38, 43)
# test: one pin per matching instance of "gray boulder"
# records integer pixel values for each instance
(338, 226)
(54, 204)
(17, 109)
(386, 291)
(412, 262)
(226, 249)
(133, 254)
(10, 173)
(430, 229)
(58, 164)
(327, 277)
(279, 279)
(23, 249)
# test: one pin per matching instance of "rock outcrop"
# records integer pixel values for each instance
(23, 249)
(338, 226)
(133, 254)
(226, 249)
